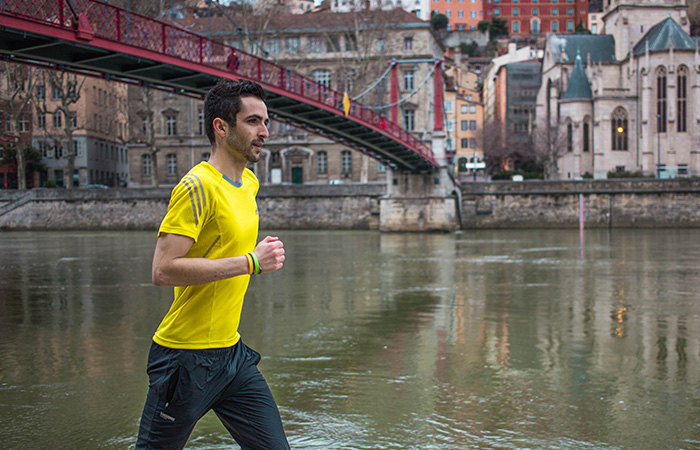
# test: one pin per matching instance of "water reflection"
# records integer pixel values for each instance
(474, 340)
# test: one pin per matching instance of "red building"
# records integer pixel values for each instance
(533, 17)
(461, 14)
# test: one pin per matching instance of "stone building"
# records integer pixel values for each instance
(347, 52)
(623, 101)
(98, 120)
(464, 113)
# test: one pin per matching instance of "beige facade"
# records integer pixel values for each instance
(99, 131)
(328, 48)
(464, 113)
(644, 95)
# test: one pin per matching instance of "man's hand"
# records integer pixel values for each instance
(270, 253)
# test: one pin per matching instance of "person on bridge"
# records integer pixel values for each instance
(207, 250)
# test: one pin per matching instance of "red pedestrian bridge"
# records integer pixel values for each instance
(97, 39)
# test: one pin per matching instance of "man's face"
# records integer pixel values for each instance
(245, 140)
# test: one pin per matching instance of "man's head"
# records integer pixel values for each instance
(224, 101)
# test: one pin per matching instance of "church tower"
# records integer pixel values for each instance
(628, 21)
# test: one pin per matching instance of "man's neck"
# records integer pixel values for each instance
(227, 164)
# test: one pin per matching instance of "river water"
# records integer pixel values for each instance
(508, 339)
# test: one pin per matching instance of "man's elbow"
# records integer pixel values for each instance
(158, 277)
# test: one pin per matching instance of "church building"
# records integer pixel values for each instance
(623, 101)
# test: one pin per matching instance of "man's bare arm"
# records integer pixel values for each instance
(172, 268)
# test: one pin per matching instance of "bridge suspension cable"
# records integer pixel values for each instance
(410, 94)
(376, 82)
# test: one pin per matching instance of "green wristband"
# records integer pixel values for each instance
(256, 264)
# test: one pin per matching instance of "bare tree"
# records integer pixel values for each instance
(141, 125)
(65, 89)
(549, 145)
(496, 153)
(16, 96)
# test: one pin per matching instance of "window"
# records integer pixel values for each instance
(274, 46)
(146, 165)
(333, 44)
(200, 121)
(449, 125)
(570, 26)
(516, 27)
(381, 45)
(594, 28)
(23, 123)
(55, 93)
(170, 125)
(408, 43)
(40, 92)
(346, 161)
(409, 120)
(315, 45)
(464, 125)
(171, 161)
(460, 14)
(381, 168)
(73, 119)
(586, 136)
(408, 80)
(464, 143)
(555, 12)
(472, 109)
(472, 142)
(41, 120)
(473, 14)
(497, 11)
(322, 162)
(322, 76)
(472, 124)
(350, 43)
(661, 111)
(535, 12)
(448, 13)
(535, 25)
(619, 129)
(449, 107)
(516, 12)
(57, 119)
(682, 89)
(570, 12)
(145, 127)
(464, 109)
(555, 26)
(569, 137)
(292, 44)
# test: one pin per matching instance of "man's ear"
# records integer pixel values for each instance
(220, 126)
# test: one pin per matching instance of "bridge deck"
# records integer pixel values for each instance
(116, 44)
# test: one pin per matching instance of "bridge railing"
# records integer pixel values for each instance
(125, 27)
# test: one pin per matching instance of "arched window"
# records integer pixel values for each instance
(682, 89)
(619, 129)
(569, 136)
(586, 138)
(661, 107)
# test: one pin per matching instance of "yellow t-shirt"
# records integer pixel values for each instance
(222, 218)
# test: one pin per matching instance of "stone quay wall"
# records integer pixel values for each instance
(532, 204)
(280, 207)
(620, 203)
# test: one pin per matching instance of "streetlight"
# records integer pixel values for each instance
(658, 146)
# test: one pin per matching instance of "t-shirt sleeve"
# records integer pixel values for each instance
(188, 209)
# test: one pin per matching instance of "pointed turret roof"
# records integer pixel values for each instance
(661, 35)
(578, 88)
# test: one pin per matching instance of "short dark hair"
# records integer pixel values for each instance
(224, 101)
